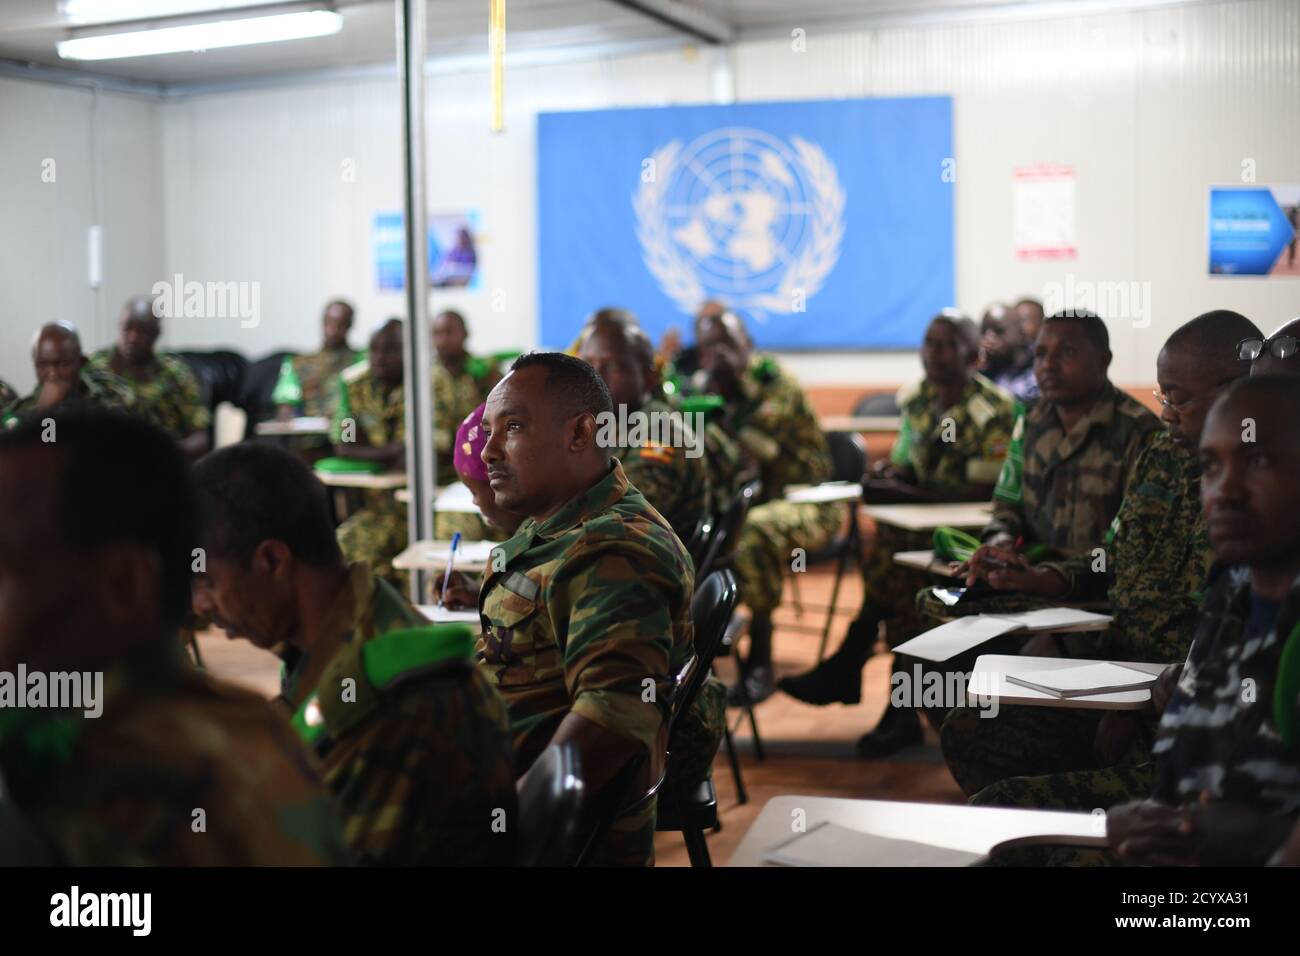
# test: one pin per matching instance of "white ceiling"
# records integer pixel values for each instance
(29, 30)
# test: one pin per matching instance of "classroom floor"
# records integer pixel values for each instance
(809, 750)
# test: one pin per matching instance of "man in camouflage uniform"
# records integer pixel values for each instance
(953, 436)
(177, 768)
(166, 391)
(768, 415)
(414, 741)
(63, 375)
(460, 384)
(1006, 354)
(1226, 786)
(1153, 568)
(318, 373)
(586, 609)
(1071, 460)
(673, 481)
(370, 425)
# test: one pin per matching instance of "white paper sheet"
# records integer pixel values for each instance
(1087, 678)
(828, 844)
(473, 551)
(956, 637)
(830, 491)
(1058, 619)
(441, 615)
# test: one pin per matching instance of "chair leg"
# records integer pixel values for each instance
(753, 726)
(742, 797)
(851, 547)
(697, 848)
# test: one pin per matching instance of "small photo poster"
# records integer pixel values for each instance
(452, 250)
(1043, 211)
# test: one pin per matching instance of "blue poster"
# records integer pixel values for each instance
(1253, 230)
(826, 224)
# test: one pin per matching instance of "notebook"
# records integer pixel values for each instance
(1084, 680)
(828, 844)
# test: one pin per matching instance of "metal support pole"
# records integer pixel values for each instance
(416, 344)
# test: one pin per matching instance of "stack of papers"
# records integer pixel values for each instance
(1084, 679)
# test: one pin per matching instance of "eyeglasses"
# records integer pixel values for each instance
(1281, 346)
(1165, 402)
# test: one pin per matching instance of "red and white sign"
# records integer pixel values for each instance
(1043, 207)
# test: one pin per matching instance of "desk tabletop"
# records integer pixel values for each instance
(859, 423)
(990, 670)
(295, 426)
(431, 555)
(924, 560)
(955, 826)
(927, 517)
(355, 479)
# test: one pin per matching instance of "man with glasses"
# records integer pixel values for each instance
(1157, 555)
(1279, 353)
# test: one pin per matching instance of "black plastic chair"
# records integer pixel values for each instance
(698, 546)
(883, 404)
(727, 529)
(259, 383)
(220, 376)
(690, 812)
(550, 808)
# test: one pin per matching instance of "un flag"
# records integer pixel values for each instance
(827, 224)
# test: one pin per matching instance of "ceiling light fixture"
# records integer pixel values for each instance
(211, 35)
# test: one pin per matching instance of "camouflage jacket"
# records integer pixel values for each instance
(414, 741)
(97, 386)
(318, 373)
(580, 610)
(378, 420)
(455, 395)
(1216, 736)
(962, 445)
(673, 482)
(180, 769)
(1157, 556)
(773, 422)
(1063, 490)
(169, 396)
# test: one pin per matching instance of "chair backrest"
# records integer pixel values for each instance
(699, 543)
(259, 383)
(711, 610)
(220, 375)
(884, 404)
(848, 456)
(727, 528)
(550, 808)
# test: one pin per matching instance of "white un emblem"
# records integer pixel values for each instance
(743, 216)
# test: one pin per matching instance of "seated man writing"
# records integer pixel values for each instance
(413, 739)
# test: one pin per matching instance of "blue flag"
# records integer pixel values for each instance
(825, 224)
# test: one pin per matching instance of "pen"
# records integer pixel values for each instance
(451, 559)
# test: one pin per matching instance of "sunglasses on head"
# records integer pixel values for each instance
(1281, 346)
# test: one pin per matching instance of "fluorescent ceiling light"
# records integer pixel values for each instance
(114, 11)
(203, 36)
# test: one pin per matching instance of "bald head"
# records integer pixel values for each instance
(1196, 364)
(138, 330)
(56, 353)
(623, 356)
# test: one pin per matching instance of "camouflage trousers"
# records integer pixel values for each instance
(697, 735)
(889, 589)
(770, 534)
(1041, 757)
(375, 534)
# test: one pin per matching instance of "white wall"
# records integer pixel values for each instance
(106, 169)
(1151, 107)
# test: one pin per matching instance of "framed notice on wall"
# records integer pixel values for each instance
(1255, 231)
(1043, 211)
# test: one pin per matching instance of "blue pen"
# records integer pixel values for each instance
(451, 559)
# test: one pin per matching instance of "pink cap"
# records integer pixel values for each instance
(469, 445)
